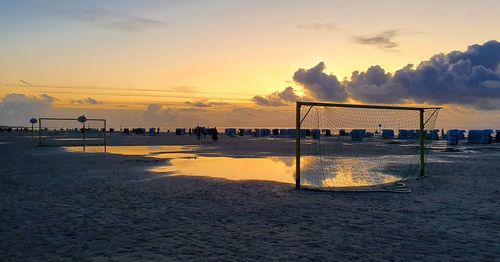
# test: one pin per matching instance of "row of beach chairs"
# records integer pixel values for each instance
(452, 136)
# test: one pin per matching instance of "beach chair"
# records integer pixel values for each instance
(180, 131)
(358, 134)
(453, 136)
(480, 136)
(316, 133)
(405, 134)
(388, 134)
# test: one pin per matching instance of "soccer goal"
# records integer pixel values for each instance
(81, 131)
(351, 147)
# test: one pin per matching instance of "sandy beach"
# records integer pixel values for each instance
(56, 205)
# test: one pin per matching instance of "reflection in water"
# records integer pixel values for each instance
(315, 171)
(279, 169)
(156, 151)
(342, 172)
(270, 169)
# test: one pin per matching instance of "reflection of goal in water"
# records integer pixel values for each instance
(81, 131)
(360, 147)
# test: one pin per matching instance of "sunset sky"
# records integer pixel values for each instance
(170, 63)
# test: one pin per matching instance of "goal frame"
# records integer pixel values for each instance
(70, 119)
(298, 122)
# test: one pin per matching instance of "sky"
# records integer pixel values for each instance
(244, 63)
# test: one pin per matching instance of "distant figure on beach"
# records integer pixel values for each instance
(189, 131)
(197, 130)
(158, 131)
(215, 134)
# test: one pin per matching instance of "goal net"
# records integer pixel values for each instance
(361, 147)
(70, 132)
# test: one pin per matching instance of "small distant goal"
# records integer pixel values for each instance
(353, 147)
(80, 131)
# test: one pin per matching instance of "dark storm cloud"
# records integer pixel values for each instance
(471, 78)
(319, 84)
(383, 40)
(282, 98)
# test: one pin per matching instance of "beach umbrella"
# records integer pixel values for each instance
(32, 121)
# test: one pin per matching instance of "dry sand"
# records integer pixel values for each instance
(77, 206)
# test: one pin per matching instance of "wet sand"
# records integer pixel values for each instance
(80, 206)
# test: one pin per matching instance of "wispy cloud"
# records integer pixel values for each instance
(86, 101)
(114, 21)
(383, 40)
(205, 103)
(184, 89)
(319, 26)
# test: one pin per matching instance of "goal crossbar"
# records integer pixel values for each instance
(299, 121)
(69, 119)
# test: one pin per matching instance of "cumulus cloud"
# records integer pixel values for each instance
(383, 40)
(86, 101)
(205, 103)
(374, 85)
(282, 98)
(469, 78)
(153, 108)
(47, 98)
(153, 113)
(18, 108)
(320, 85)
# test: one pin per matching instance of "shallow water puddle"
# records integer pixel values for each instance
(279, 169)
(150, 151)
(184, 161)
(77, 139)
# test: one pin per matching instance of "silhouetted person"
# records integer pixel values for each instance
(158, 131)
(198, 132)
(215, 134)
